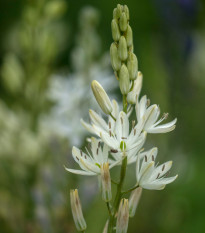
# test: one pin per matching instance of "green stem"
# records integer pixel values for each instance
(118, 195)
(125, 103)
(130, 190)
(112, 117)
(109, 208)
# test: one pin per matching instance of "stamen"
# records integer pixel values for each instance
(134, 132)
(109, 125)
(114, 151)
(158, 175)
(97, 151)
(163, 167)
(148, 102)
(121, 120)
(133, 124)
(81, 153)
(98, 144)
(85, 157)
(123, 138)
(165, 115)
(77, 158)
(152, 157)
(110, 133)
(145, 158)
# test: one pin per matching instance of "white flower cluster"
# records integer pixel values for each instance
(118, 140)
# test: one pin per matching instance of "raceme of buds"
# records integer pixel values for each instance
(134, 93)
(122, 49)
(123, 217)
(106, 182)
(101, 97)
(115, 30)
(124, 80)
(132, 65)
(77, 210)
(134, 200)
(115, 61)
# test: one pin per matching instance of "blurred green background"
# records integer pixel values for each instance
(50, 50)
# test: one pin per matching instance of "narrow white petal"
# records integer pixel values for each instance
(80, 172)
(88, 127)
(150, 116)
(161, 129)
(151, 186)
(98, 120)
(161, 170)
(110, 141)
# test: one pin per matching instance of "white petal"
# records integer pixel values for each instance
(80, 172)
(98, 120)
(150, 116)
(110, 141)
(161, 170)
(88, 127)
(151, 186)
(163, 128)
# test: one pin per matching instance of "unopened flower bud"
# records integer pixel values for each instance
(132, 65)
(124, 80)
(106, 182)
(101, 97)
(134, 200)
(77, 211)
(115, 30)
(119, 10)
(123, 22)
(116, 14)
(129, 36)
(123, 217)
(115, 60)
(122, 49)
(127, 13)
(132, 95)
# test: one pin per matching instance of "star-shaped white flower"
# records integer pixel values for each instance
(91, 163)
(121, 141)
(151, 115)
(151, 176)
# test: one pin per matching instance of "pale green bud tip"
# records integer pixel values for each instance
(126, 10)
(123, 217)
(101, 97)
(129, 36)
(106, 182)
(77, 211)
(55, 8)
(124, 80)
(115, 30)
(122, 49)
(123, 22)
(132, 66)
(134, 201)
(115, 61)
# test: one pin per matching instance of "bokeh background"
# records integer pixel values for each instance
(50, 50)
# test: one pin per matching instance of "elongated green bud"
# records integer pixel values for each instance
(122, 49)
(101, 97)
(123, 217)
(116, 14)
(115, 30)
(119, 10)
(106, 182)
(127, 13)
(134, 200)
(132, 65)
(77, 211)
(123, 22)
(135, 92)
(115, 60)
(124, 80)
(129, 36)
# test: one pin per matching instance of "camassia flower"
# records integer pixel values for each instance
(91, 163)
(151, 115)
(151, 176)
(121, 141)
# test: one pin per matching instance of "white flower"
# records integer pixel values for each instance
(150, 176)
(121, 141)
(151, 114)
(98, 124)
(91, 163)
